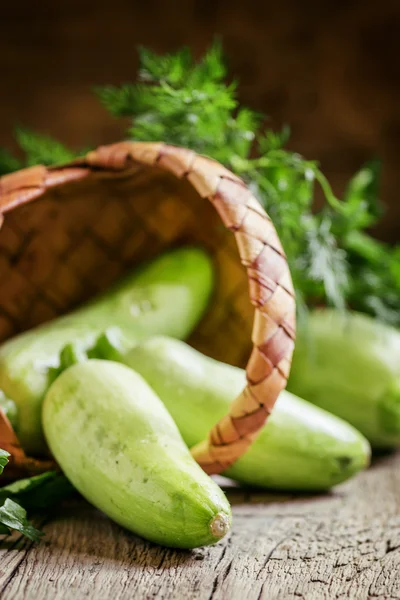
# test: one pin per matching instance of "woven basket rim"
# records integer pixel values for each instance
(270, 286)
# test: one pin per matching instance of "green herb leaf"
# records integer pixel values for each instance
(13, 516)
(187, 103)
(41, 492)
(70, 355)
(8, 162)
(361, 195)
(332, 257)
(42, 149)
(108, 346)
(3, 459)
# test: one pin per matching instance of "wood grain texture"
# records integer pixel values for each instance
(340, 545)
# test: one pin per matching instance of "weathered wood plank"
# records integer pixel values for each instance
(340, 545)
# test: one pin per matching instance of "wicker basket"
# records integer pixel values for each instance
(125, 203)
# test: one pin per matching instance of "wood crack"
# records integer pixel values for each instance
(270, 553)
(14, 571)
(214, 589)
(344, 545)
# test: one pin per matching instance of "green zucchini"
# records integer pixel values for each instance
(118, 445)
(301, 447)
(168, 296)
(349, 364)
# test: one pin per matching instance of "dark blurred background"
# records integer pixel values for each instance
(330, 69)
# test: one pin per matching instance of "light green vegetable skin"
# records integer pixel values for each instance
(349, 364)
(119, 446)
(167, 296)
(302, 447)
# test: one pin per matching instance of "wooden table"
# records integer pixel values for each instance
(345, 544)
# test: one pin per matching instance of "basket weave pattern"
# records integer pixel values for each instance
(125, 203)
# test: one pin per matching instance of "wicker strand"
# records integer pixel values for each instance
(270, 286)
(19, 465)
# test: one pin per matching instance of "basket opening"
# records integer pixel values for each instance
(76, 240)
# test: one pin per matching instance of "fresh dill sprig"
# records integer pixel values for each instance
(189, 103)
(42, 149)
(332, 257)
(38, 149)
